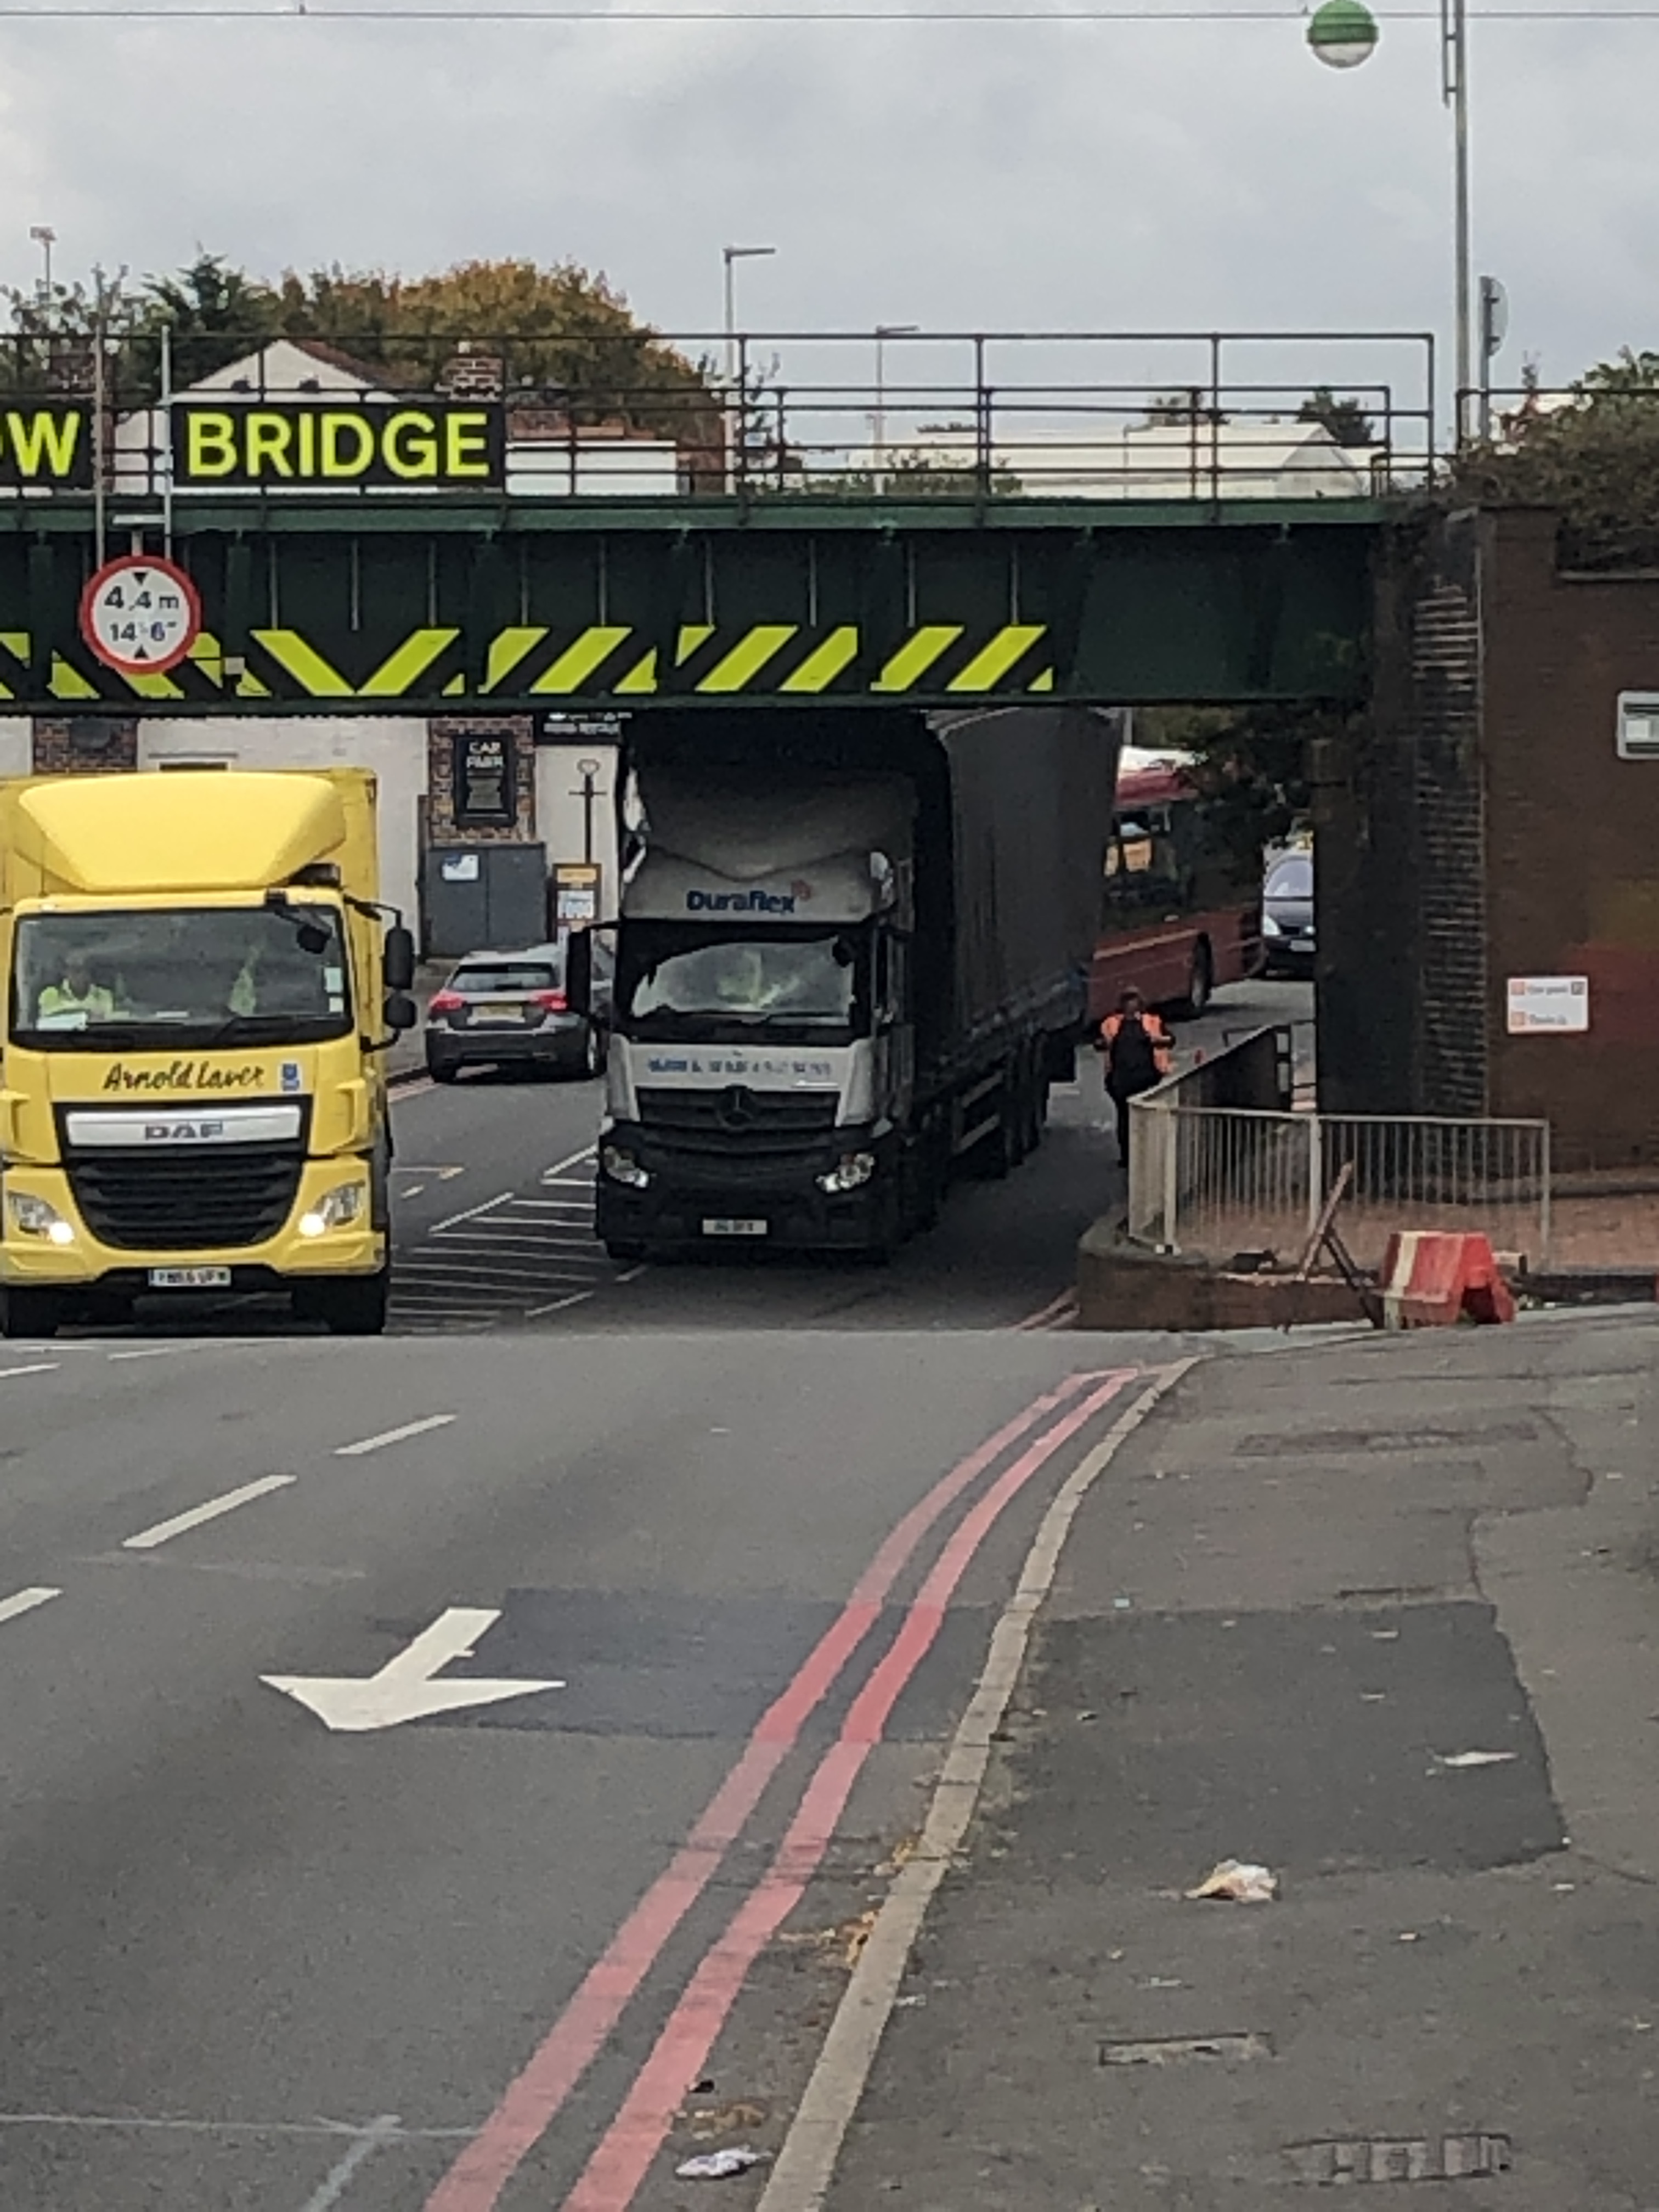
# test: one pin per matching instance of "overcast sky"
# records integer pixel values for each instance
(1108, 175)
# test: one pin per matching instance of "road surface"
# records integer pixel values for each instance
(379, 1717)
(494, 1209)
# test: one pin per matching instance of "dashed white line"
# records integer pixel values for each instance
(156, 1351)
(164, 1531)
(25, 1601)
(394, 1436)
(39, 1367)
(558, 1305)
(550, 1175)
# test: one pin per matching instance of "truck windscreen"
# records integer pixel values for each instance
(721, 986)
(138, 980)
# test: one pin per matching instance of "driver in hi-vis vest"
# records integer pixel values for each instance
(75, 999)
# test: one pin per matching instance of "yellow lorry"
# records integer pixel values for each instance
(200, 989)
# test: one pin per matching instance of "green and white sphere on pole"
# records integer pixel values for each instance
(1343, 33)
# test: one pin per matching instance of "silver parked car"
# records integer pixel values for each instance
(509, 1010)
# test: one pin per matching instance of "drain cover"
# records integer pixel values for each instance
(1392, 2158)
(1172, 2050)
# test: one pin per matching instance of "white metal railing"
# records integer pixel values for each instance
(1216, 1180)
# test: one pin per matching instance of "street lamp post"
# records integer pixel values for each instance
(588, 770)
(879, 441)
(731, 255)
(1342, 34)
(46, 238)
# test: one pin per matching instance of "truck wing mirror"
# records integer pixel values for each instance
(579, 972)
(401, 1013)
(399, 958)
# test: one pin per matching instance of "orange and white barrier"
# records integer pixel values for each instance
(1433, 1279)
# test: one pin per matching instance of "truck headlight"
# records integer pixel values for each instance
(622, 1167)
(34, 1216)
(851, 1172)
(1270, 927)
(335, 1209)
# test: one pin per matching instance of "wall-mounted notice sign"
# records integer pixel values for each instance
(264, 445)
(484, 794)
(1548, 1006)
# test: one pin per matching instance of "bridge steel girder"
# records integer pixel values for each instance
(401, 607)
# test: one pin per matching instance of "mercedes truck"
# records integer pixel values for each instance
(851, 956)
(200, 987)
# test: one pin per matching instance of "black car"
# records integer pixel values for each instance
(1287, 915)
(509, 1010)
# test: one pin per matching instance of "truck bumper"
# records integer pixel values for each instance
(699, 1202)
(82, 1262)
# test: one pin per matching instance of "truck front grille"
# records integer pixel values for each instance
(192, 1199)
(770, 1122)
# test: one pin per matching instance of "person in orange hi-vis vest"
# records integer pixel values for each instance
(1140, 1052)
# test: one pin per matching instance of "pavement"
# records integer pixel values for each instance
(1384, 1617)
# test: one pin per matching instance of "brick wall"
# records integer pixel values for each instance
(441, 732)
(1476, 823)
(1369, 954)
(85, 744)
(1450, 827)
(1572, 835)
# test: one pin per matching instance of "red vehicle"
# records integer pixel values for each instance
(1179, 914)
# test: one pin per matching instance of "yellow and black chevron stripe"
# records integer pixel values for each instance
(534, 661)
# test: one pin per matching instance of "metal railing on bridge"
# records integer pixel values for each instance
(1221, 1181)
(906, 416)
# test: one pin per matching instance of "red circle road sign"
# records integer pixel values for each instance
(141, 615)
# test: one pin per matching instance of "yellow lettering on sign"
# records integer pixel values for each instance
(354, 461)
(269, 437)
(209, 444)
(38, 437)
(466, 444)
(307, 444)
(411, 445)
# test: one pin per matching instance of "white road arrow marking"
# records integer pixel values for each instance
(405, 1689)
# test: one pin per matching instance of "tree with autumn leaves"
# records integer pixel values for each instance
(564, 336)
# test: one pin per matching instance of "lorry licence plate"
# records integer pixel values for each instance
(725, 1224)
(190, 1279)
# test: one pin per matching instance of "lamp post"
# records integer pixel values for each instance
(587, 769)
(1342, 34)
(731, 255)
(884, 331)
(46, 238)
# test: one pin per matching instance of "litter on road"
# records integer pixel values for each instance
(718, 2165)
(1239, 1882)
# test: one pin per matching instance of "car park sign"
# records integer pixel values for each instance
(141, 614)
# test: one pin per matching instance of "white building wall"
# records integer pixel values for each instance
(395, 748)
(16, 745)
(559, 811)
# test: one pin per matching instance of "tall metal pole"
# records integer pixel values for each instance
(1455, 90)
(880, 426)
(729, 255)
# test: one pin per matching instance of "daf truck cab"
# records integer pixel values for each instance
(199, 991)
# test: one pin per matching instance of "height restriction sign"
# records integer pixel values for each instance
(141, 614)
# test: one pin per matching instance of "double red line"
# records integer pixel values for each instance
(531, 2102)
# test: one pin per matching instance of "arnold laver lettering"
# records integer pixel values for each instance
(187, 1075)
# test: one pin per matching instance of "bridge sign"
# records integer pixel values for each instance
(141, 615)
